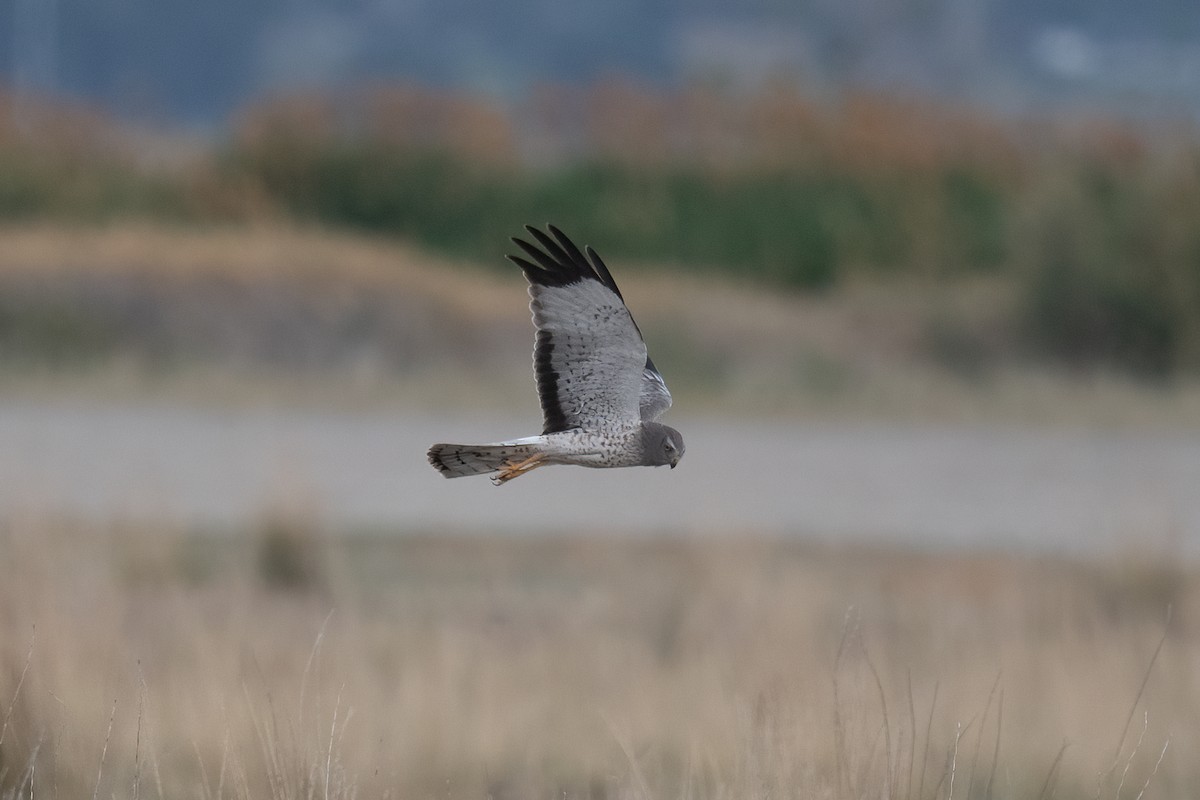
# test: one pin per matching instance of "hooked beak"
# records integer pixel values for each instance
(674, 463)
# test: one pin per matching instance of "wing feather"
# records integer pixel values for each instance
(655, 398)
(589, 357)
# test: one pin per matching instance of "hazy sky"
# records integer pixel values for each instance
(195, 62)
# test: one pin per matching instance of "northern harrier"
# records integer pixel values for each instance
(600, 392)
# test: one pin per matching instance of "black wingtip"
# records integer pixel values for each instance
(547, 263)
(556, 261)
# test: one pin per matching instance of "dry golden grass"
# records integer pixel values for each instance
(903, 350)
(278, 663)
(316, 259)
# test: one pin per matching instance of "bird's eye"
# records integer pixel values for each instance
(669, 445)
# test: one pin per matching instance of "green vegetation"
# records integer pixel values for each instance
(795, 230)
(1097, 229)
(1113, 271)
(36, 185)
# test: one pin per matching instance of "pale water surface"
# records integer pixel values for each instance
(1023, 489)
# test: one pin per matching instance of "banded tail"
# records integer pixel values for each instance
(509, 459)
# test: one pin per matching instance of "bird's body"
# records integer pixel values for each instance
(600, 393)
(617, 447)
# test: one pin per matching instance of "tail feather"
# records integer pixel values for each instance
(460, 460)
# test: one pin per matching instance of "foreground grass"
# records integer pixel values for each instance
(280, 663)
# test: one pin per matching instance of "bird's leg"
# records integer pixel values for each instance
(517, 469)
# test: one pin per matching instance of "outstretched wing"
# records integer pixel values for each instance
(588, 356)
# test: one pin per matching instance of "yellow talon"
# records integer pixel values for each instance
(517, 469)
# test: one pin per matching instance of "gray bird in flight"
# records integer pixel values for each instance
(601, 394)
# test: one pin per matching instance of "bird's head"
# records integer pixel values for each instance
(664, 445)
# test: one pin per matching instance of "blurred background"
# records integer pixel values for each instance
(923, 277)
